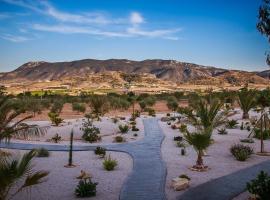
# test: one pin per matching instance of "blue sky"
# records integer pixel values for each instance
(208, 32)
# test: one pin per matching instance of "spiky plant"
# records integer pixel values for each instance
(17, 175)
(247, 100)
(207, 114)
(9, 110)
(200, 141)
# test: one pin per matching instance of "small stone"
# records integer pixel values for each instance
(179, 184)
(84, 175)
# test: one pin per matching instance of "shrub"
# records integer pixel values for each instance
(151, 112)
(222, 131)
(90, 132)
(42, 152)
(119, 139)
(56, 138)
(178, 138)
(86, 188)
(133, 123)
(183, 128)
(241, 152)
(100, 151)
(247, 140)
(123, 128)
(172, 118)
(135, 134)
(109, 164)
(260, 187)
(231, 123)
(134, 128)
(55, 119)
(257, 135)
(80, 107)
(114, 120)
(184, 176)
(168, 114)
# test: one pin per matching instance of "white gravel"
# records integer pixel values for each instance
(219, 160)
(61, 182)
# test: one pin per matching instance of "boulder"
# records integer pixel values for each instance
(179, 184)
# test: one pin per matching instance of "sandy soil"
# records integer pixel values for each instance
(108, 130)
(61, 182)
(68, 113)
(219, 160)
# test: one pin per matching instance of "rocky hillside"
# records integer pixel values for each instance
(166, 70)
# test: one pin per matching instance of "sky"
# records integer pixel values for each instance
(207, 32)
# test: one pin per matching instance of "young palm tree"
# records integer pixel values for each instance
(200, 141)
(9, 110)
(247, 100)
(207, 114)
(17, 175)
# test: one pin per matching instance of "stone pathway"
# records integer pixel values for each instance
(226, 187)
(148, 177)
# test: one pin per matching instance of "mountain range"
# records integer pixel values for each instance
(169, 71)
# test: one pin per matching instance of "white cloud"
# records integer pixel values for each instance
(65, 29)
(136, 18)
(14, 38)
(74, 23)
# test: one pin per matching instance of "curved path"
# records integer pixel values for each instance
(147, 179)
(226, 187)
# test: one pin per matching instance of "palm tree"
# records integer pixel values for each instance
(207, 114)
(247, 100)
(200, 140)
(9, 110)
(18, 174)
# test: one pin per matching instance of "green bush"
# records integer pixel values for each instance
(100, 151)
(184, 176)
(80, 107)
(55, 119)
(114, 120)
(151, 112)
(119, 139)
(260, 187)
(56, 138)
(134, 128)
(42, 152)
(241, 152)
(109, 164)
(90, 132)
(86, 188)
(231, 123)
(266, 134)
(123, 128)
(222, 131)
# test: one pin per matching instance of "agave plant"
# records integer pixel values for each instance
(9, 110)
(200, 140)
(247, 100)
(17, 175)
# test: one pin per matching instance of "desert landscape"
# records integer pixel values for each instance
(131, 100)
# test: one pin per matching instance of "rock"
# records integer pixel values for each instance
(84, 175)
(165, 119)
(179, 184)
